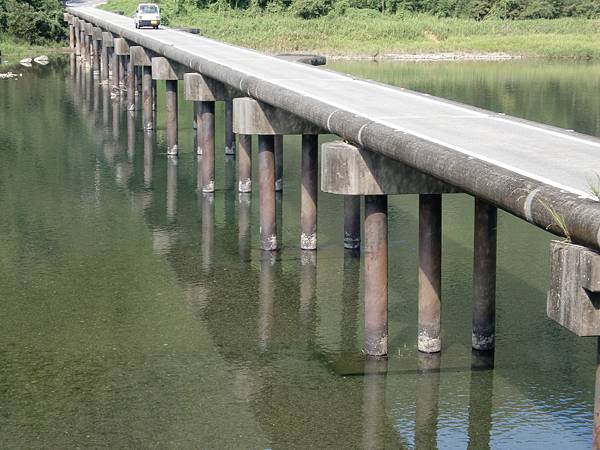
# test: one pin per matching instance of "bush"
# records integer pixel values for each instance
(34, 21)
(311, 9)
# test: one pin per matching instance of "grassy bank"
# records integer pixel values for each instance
(13, 49)
(369, 33)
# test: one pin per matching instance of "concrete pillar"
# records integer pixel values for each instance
(96, 46)
(171, 72)
(255, 118)
(122, 61)
(148, 114)
(278, 163)
(245, 163)
(72, 43)
(206, 112)
(352, 222)
(77, 36)
(308, 192)
(115, 71)
(266, 168)
(204, 92)
(104, 64)
(430, 272)
(376, 275)
(138, 87)
(484, 276)
(130, 85)
(171, 107)
(229, 134)
(596, 432)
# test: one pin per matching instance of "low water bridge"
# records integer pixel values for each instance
(393, 141)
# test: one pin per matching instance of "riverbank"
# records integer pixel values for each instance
(12, 50)
(367, 34)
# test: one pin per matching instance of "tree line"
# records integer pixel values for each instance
(34, 21)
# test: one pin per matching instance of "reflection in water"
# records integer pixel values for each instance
(351, 300)
(244, 235)
(266, 298)
(208, 229)
(131, 131)
(480, 401)
(428, 386)
(230, 191)
(105, 105)
(116, 118)
(171, 189)
(374, 419)
(308, 287)
(148, 158)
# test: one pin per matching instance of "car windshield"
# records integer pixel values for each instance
(148, 9)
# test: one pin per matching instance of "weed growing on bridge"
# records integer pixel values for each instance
(558, 220)
(594, 186)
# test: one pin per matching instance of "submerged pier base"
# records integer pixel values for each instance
(170, 72)
(204, 92)
(255, 118)
(352, 171)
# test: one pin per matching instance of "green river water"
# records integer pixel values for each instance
(138, 313)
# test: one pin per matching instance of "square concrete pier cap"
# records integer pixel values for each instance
(97, 34)
(350, 170)
(200, 88)
(121, 46)
(253, 117)
(89, 29)
(107, 39)
(141, 56)
(574, 292)
(165, 69)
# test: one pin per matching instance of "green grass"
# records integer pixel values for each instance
(369, 33)
(12, 49)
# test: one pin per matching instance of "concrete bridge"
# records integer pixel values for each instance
(393, 142)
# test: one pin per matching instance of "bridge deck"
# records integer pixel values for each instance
(553, 157)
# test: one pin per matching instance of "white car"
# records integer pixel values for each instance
(147, 15)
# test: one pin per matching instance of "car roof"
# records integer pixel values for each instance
(147, 4)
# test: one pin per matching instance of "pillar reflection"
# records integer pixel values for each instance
(480, 402)
(427, 404)
(308, 286)
(171, 189)
(148, 158)
(266, 299)
(131, 123)
(374, 417)
(244, 225)
(208, 229)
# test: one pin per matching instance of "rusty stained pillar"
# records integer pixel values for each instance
(72, 43)
(130, 84)
(171, 107)
(115, 71)
(122, 62)
(266, 168)
(278, 163)
(308, 192)
(147, 100)
(138, 87)
(96, 56)
(484, 275)
(245, 163)
(430, 272)
(229, 135)
(104, 70)
(206, 126)
(376, 275)
(77, 36)
(596, 432)
(352, 222)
